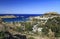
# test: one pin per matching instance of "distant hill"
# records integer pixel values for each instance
(50, 14)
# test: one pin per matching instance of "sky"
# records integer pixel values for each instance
(29, 6)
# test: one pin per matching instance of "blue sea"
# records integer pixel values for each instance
(19, 17)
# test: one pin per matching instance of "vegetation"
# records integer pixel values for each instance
(45, 31)
(28, 27)
(31, 38)
(19, 29)
(1, 34)
(54, 25)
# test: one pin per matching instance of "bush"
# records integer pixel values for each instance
(45, 31)
(54, 25)
(28, 27)
(2, 34)
(31, 38)
(19, 29)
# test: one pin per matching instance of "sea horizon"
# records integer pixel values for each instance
(19, 17)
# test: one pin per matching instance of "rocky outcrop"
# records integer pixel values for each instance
(8, 16)
(8, 35)
(50, 14)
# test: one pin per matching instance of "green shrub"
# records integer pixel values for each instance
(54, 25)
(2, 34)
(31, 38)
(45, 31)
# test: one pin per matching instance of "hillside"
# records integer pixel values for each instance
(46, 26)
